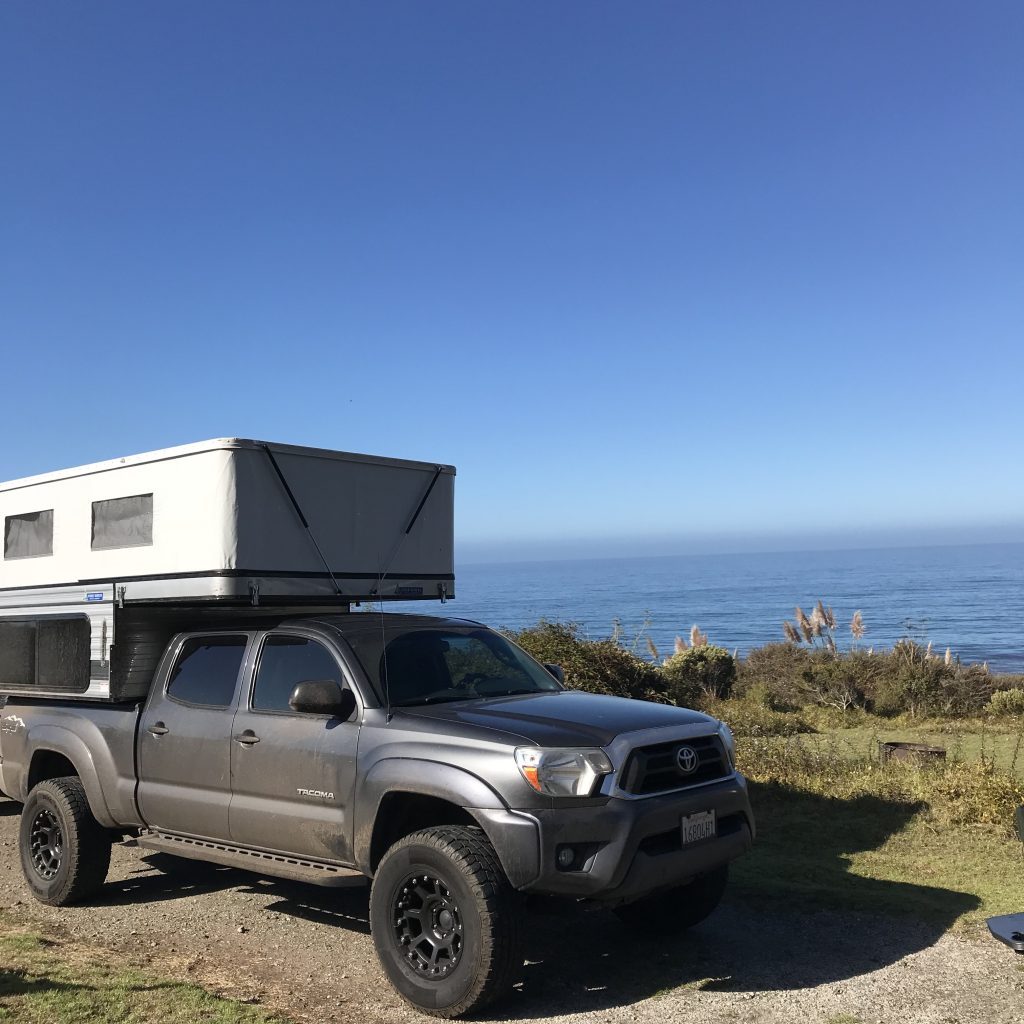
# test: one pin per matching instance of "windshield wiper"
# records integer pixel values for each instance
(423, 702)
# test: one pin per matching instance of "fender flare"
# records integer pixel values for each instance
(58, 740)
(515, 836)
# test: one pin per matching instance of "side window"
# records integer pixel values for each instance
(287, 660)
(122, 522)
(206, 670)
(29, 535)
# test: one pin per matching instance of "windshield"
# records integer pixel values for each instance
(434, 666)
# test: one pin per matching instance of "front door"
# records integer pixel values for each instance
(185, 738)
(292, 774)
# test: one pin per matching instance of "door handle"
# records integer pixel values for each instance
(248, 738)
(159, 729)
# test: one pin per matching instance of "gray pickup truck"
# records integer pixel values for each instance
(431, 755)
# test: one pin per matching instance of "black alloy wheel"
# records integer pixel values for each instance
(428, 925)
(445, 920)
(65, 852)
(46, 844)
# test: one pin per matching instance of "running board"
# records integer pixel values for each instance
(258, 861)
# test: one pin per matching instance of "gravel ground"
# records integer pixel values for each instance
(307, 953)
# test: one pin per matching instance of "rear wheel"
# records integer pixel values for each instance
(65, 852)
(674, 910)
(444, 920)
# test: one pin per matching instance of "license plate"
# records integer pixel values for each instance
(698, 827)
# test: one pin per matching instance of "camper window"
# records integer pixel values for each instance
(122, 522)
(28, 535)
(46, 654)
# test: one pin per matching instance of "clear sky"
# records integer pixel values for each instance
(653, 276)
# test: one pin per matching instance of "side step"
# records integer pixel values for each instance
(258, 861)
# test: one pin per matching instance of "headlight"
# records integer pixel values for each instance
(556, 771)
(729, 742)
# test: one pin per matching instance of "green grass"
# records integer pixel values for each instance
(43, 981)
(966, 740)
(840, 830)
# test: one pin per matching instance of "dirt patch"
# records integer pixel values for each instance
(307, 952)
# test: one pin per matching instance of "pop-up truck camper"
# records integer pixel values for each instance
(182, 669)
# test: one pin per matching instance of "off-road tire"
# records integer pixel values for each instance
(80, 855)
(483, 904)
(674, 910)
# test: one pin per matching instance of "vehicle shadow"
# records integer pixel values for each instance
(794, 918)
(175, 878)
(8, 808)
(181, 877)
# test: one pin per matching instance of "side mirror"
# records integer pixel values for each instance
(322, 697)
(557, 671)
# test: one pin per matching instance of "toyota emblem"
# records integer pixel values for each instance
(687, 759)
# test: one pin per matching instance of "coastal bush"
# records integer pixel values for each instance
(914, 681)
(778, 668)
(752, 715)
(699, 673)
(1006, 703)
(599, 666)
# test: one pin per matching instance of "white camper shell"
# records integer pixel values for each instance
(223, 522)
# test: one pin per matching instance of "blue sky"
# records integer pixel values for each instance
(660, 276)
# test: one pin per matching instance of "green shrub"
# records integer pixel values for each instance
(699, 673)
(751, 716)
(840, 681)
(599, 666)
(778, 669)
(914, 681)
(1006, 703)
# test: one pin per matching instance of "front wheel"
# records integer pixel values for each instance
(444, 920)
(65, 852)
(674, 910)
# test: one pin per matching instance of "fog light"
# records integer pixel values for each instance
(566, 856)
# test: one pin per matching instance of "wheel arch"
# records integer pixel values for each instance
(400, 796)
(54, 750)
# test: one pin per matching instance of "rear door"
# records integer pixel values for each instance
(293, 774)
(185, 737)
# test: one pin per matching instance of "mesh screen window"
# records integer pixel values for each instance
(122, 522)
(29, 535)
(45, 654)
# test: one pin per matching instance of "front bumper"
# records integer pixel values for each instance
(634, 847)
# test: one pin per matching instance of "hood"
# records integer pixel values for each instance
(565, 718)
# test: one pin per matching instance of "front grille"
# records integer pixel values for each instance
(655, 769)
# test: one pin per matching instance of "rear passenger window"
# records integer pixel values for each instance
(206, 670)
(285, 661)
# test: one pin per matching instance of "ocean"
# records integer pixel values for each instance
(970, 599)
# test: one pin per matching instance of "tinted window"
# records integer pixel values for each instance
(29, 535)
(429, 666)
(122, 522)
(285, 661)
(207, 669)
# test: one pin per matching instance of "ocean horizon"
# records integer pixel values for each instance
(969, 598)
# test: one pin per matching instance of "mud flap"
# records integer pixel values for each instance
(1009, 929)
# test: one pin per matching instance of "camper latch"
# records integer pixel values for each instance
(120, 596)
(254, 593)
(442, 592)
